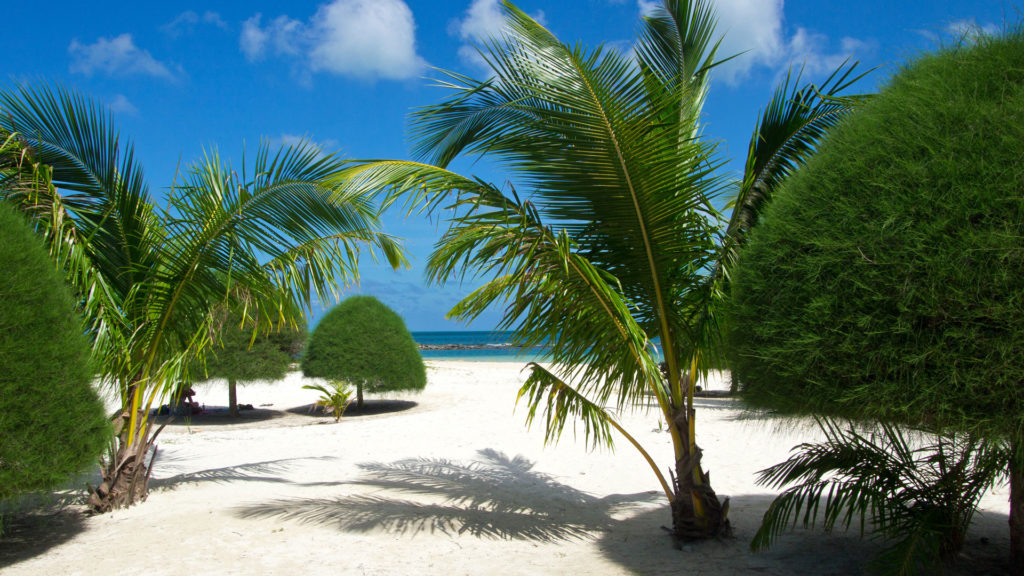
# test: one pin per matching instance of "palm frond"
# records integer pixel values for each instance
(921, 499)
(562, 403)
(795, 121)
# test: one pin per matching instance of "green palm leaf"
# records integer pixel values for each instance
(617, 243)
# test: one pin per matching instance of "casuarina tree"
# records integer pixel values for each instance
(364, 343)
(242, 351)
(886, 280)
(52, 423)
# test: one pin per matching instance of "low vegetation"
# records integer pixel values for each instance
(363, 343)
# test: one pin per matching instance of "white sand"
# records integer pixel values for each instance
(454, 485)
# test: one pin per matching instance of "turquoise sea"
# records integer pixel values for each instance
(474, 345)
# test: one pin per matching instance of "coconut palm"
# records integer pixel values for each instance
(619, 244)
(148, 277)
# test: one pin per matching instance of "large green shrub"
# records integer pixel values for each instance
(51, 421)
(886, 280)
(240, 353)
(363, 342)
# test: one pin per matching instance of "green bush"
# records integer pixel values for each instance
(886, 280)
(363, 342)
(52, 423)
(237, 356)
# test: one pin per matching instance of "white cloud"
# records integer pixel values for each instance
(971, 30)
(114, 56)
(810, 51)
(753, 27)
(366, 38)
(282, 36)
(755, 31)
(121, 105)
(483, 20)
(646, 7)
(186, 22)
(326, 146)
(362, 38)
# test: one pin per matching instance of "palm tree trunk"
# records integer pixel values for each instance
(697, 514)
(126, 469)
(232, 397)
(359, 396)
(1016, 512)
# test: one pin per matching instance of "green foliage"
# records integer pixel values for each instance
(51, 421)
(148, 277)
(616, 242)
(885, 280)
(334, 397)
(921, 499)
(363, 342)
(243, 351)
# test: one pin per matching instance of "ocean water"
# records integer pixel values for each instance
(481, 346)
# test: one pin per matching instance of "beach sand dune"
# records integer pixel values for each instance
(446, 482)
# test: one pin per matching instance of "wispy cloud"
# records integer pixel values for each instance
(359, 38)
(281, 36)
(115, 56)
(646, 7)
(326, 146)
(189, 20)
(482, 20)
(971, 30)
(755, 31)
(121, 105)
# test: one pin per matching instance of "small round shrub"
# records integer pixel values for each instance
(886, 279)
(237, 356)
(52, 423)
(363, 342)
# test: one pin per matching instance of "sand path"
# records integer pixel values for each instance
(452, 485)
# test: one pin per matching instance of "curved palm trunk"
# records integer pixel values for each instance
(126, 469)
(697, 513)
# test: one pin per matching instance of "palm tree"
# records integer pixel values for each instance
(148, 277)
(619, 251)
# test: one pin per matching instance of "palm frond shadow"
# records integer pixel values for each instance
(270, 471)
(493, 496)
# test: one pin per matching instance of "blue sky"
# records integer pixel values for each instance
(182, 78)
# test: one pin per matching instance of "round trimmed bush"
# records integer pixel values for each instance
(237, 357)
(886, 279)
(363, 342)
(52, 423)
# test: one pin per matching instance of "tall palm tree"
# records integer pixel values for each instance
(619, 245)
(149, 277)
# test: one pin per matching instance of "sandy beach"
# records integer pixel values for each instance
(446, 482)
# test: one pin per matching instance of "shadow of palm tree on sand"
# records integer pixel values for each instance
(493, 496)
(271, 471)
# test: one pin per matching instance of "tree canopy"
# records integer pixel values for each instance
(363, 342)
(243, 351)
(885, 280)
(52, 422)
